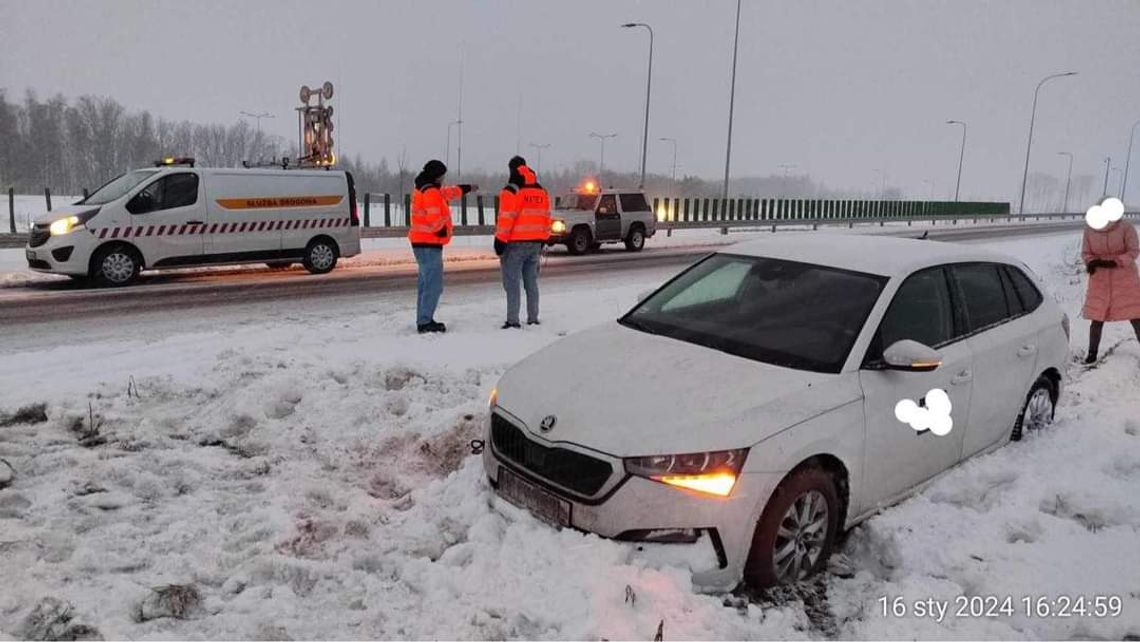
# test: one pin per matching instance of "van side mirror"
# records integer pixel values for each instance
(911, 356)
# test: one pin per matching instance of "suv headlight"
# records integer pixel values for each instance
(66, 225)
(711, 472)
(558, 227)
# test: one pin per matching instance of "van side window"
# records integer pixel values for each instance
(633, 203)
(168, 192)
(921, 311)
(982, 294)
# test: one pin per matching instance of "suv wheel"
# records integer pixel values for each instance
(635, 240)
(1037, 412)
(116, 265)
(320, 256)
(796, 530)
(580, 241)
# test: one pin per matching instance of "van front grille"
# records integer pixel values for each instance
(39, 235)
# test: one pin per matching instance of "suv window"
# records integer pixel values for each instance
(168, 192)
(608, 205)
(982, 293)
(921, 311)
(633, 203)
(1027, 293)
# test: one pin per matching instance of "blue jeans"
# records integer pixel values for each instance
(520, 261)
(429, 284)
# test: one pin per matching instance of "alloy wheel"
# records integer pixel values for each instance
(800, 537)
(118, 267)
(1039, 410)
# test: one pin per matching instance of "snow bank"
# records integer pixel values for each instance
(308, 475)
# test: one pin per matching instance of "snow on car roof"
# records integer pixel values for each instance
(883, 255)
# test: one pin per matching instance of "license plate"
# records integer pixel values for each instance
(526, 495)
(31, 255)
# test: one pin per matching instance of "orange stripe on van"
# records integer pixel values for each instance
(278, 202)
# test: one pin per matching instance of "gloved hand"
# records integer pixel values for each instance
(500, 247)
(466, 187)
(1096, 264)
(442, 233)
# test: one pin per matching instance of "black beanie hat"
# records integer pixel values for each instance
(516, 162)
(434, 169)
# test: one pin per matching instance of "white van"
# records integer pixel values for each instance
(175, 215)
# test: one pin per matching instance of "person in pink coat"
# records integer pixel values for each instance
(1109, 252)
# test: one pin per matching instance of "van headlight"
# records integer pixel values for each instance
(63, 226)
(714, 473)
(558, 227)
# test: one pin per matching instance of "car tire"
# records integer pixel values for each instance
(321, 255)
(787, 537)
(279, 265)
(116, 265)
(595, 246)
(1038, 409)
(635, 240)
(580, 241)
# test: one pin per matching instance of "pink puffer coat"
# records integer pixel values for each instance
(1114, 293)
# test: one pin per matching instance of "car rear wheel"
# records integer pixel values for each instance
(116, 265)
(796, 531)
(580, 241)
(635, 240)
(1038, 410)
(321, 256)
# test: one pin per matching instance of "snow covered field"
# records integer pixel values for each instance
(304, 470)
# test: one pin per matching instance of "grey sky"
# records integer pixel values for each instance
(838, 88)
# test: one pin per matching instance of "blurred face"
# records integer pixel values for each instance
(1109, 211)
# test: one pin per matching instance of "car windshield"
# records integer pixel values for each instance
(116, 187)
(781, 312)
(578, 202)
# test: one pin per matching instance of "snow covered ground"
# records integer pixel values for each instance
(304, 469)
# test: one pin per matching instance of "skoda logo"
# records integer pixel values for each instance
(548, 423)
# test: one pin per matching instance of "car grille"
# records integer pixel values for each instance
(580, 473)
(38, 264)
(38, 236)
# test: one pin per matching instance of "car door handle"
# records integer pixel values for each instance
(961, 377)
(1027, 351)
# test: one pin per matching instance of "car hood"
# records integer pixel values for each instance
(629, 393)
(62, 211)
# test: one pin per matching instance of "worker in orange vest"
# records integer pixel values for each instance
(430, 230)
(521, 231)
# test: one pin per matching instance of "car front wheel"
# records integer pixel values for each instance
(116, 266)
(580, 241)
(796, 531)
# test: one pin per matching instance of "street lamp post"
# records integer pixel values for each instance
(1068, 179)
(539, 147)
(602, 156)
(648, 85)
(961, 155)
(731, 101)
(1128, 161)
(1029, 143)
(1107, 166)
(447, 152)
(1114, 171)
(674, 141)
(258, 117)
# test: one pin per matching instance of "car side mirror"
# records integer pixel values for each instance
(911, 356)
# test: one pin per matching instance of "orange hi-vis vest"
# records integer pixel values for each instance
(430, 214)
(524, 212)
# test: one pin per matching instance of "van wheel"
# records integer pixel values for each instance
(796, 530)
(116, 265)
(279, 265)
(635, 240)
(580, 241)
(320, 256)
(1037, 412)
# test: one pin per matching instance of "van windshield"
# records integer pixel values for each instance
(116, 187)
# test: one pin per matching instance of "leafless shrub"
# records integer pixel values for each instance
(179, 601)
(32, 414)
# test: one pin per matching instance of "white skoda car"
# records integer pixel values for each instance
(775, 393)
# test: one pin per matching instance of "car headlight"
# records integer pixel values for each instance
(712, 472)
(66, 225)
(558, 227)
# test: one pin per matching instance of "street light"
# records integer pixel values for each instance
(539, 147)
(1068, 179)
(263, 114)
(602, 157)
(1128, 161)
(1107, 165)
(674, 141)
(961, 155)
(447, 153)
(648, 84)
(1029, 143)
(731, 101)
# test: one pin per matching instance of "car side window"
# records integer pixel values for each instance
(634, 203)
(921, 311)
(608, 205)
(1027, 292)
(170, 191)
(982, 293)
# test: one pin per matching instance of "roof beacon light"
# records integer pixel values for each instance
(174, 160)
